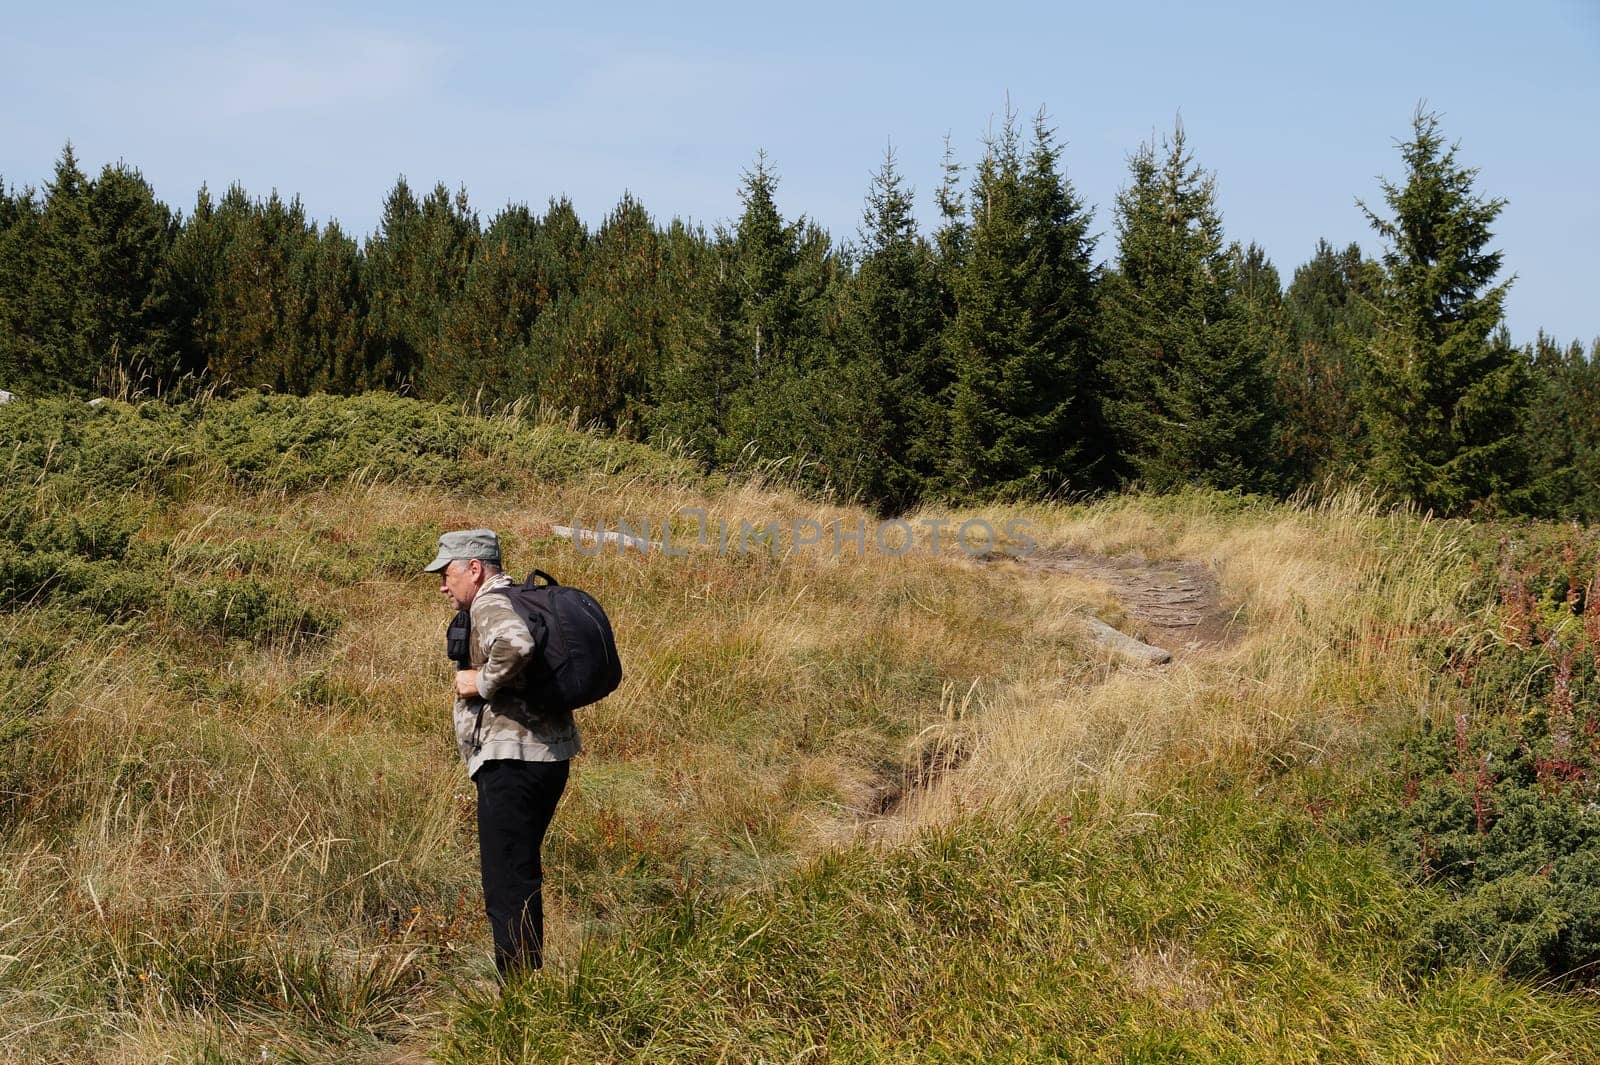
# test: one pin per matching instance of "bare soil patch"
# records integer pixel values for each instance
(1175, 605)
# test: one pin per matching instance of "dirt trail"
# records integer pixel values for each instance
(1176, 606)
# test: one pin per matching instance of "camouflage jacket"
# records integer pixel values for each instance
(501, 646)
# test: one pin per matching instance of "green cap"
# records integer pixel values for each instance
(464, 544)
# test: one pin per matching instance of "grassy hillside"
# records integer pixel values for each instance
(844, 807)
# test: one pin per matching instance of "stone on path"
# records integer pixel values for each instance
(1124, 646)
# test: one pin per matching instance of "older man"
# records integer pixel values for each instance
(517, 755)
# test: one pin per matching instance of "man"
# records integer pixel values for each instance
(516, 754)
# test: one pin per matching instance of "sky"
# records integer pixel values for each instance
(1296, 108)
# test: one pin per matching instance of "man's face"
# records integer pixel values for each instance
(459, 582)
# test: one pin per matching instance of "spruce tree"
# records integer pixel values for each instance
(1022, 332)
(1316, 377)
(1259, 290)
(1562, 429)
(55, 354)
(1583, 403)
(764, 254)
(891, 376)
(19, 252)
(1187, 392)
(1444, 389)
(782, 275)
(693, 384)
(128, 235)
(949, 243)
(83, 306)
(418, 263)
(788, 409)
(602, 342)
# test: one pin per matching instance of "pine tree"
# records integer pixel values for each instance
(187, 285)
(418, 263)
(196, 290)
(1317, 378)
(890, 374)
(254, 308)
(19, 251)
(782, 276)
(606, 338)
(1021, 336)
(331, 327)
(1562, 429)
(391, 261)
(694, 383)
(55, 355)
(1188, 395)
(487, 328)
(1444, 390)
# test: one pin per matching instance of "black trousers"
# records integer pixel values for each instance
(516, 800)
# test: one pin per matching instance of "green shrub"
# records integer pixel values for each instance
(1501, 806)
(293, 442)
(85, 558)
(94, 533)
(247, 610)
(87, 449)
(117, 591)
(296, 558)
(401, 551)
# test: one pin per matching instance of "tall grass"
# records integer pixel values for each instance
(243, 815)
(1209, 930)
(1315, 678)
(846, 806)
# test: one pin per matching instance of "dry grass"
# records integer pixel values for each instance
(1307, 683)
(209, 824)
(262, 849)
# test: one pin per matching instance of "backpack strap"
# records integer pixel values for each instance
(477, 724)
(550, 582)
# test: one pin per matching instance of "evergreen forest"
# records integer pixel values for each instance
(1004, 355)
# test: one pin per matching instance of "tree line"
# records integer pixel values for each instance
(990, 358)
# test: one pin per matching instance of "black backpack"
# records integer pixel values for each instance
(576, 663)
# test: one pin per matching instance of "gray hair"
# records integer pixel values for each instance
(490, 568)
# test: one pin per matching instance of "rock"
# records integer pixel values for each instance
(99, 401)
(6, 397)
(1124, 646)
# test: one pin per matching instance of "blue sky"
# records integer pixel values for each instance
(1296, 108)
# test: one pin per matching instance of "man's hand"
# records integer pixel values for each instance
(467, 683)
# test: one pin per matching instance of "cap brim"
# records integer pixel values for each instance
(437, 564)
